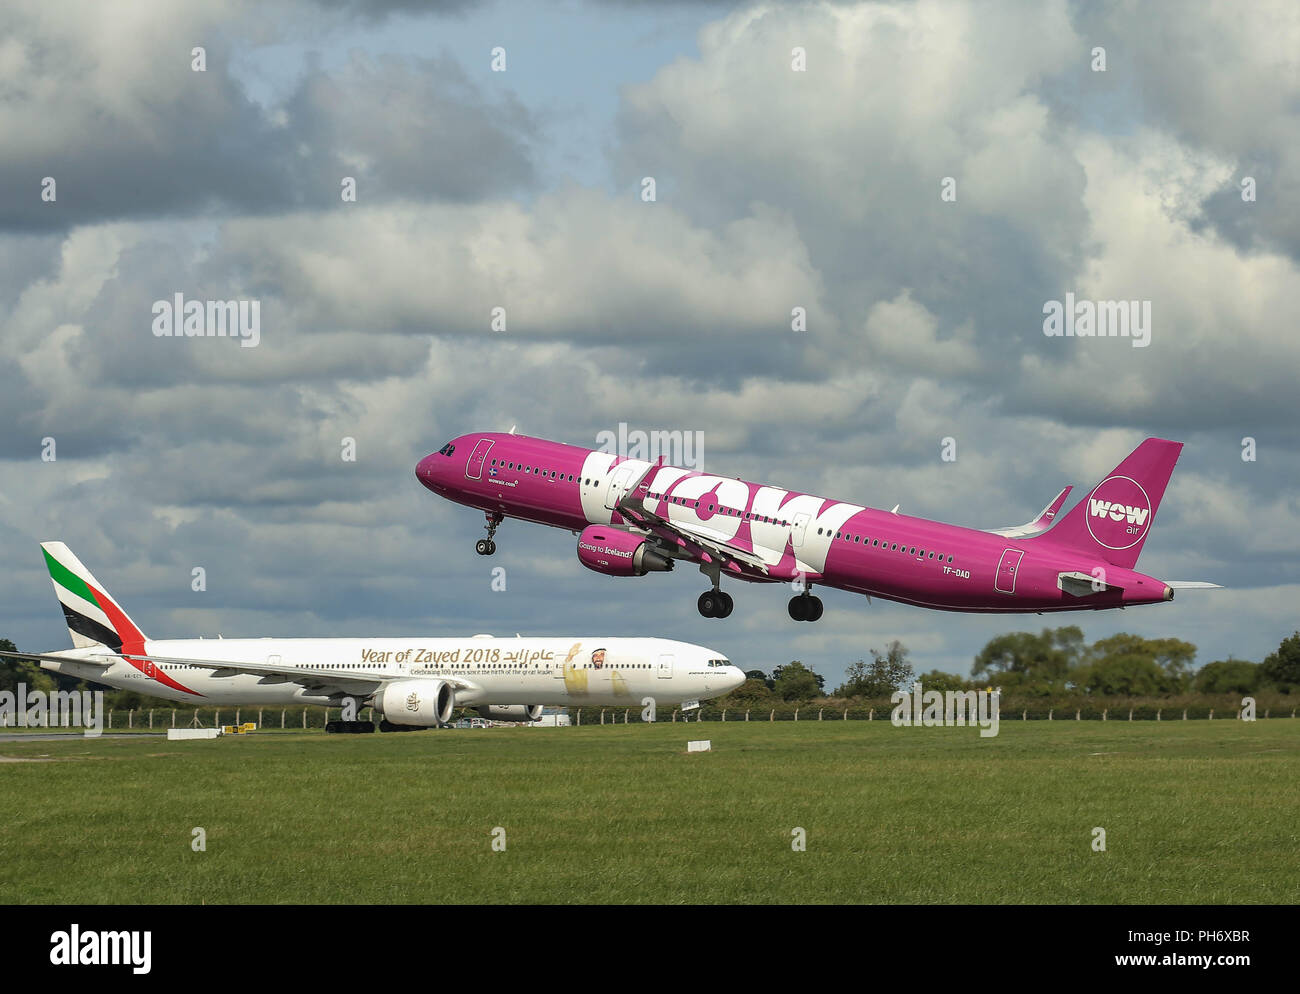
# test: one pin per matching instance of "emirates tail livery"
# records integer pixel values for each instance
(636, 517)
(411, 682)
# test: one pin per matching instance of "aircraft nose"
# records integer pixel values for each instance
(426, 470)
(735, 678)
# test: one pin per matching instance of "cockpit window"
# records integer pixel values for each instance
(447, 449)
(719, 662)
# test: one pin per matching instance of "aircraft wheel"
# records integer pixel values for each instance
(709, 604)
(726, 605)
(814, 608)
(798, 608)
(485, 547)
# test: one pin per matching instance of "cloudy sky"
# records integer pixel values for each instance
(523, 189)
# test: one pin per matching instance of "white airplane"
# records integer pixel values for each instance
(411, 682)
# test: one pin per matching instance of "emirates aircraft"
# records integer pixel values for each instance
(635, 517)
(411, 682)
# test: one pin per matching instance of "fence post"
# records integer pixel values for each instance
(1184, 714)
(130, 717)
(1024, 715)
(674, 715)
(1158, 712)
(1077, 713)
(1103, 713)
(1211, 714)
(151, 717)
(625, 711)
(173, 717)
(1049, 714)
(304, 719)
(846, 714)
(1130, 714)
(602, 716)
(819, 713)
(772, 716)
(259, 718)
(871, 715)
(747, 714)
(236, 716)
(796, 714)
(110, 717)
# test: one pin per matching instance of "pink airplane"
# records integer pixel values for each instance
(636, 517)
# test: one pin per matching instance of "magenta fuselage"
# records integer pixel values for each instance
(792, 535)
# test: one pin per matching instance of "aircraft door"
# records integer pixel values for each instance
(474, 465)
(619, 484)
(666, 666)
(1005, 582)
(797, 529)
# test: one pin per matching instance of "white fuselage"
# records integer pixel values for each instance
(482, 670)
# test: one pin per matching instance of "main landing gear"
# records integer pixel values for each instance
(805, 607)
(485, 546)
(715, 604)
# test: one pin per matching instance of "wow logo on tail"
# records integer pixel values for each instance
(1119, 513)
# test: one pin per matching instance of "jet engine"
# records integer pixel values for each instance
(615, 552)
(510, 712)
(421, 703)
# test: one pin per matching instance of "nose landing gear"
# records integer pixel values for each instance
(486, 546)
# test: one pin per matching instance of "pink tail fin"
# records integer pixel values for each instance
(1114, 518)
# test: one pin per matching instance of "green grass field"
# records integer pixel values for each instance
(1194, 812)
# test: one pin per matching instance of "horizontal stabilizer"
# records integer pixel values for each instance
(1193, 585)
(100, 660)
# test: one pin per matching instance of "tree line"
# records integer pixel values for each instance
(1053, 663)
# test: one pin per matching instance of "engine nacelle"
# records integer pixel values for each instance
(422, 703)
(615, 552)
(510, 712)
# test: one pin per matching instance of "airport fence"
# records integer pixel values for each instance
(308, 718)
(632, 716)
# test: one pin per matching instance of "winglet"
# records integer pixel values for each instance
(1039, 524)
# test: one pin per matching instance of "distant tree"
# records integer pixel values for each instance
(941, 681)
(24, 671)
(1127, 675)
(1023, 657)
(759, 675)
(886, 673)
(1282, 668)
(776, 677)
(1172, 657)
(796, 682)
(1227, 676)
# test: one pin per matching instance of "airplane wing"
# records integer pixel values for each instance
(1041, 523)
(312, 677)
(96, 660)
(699, 542)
